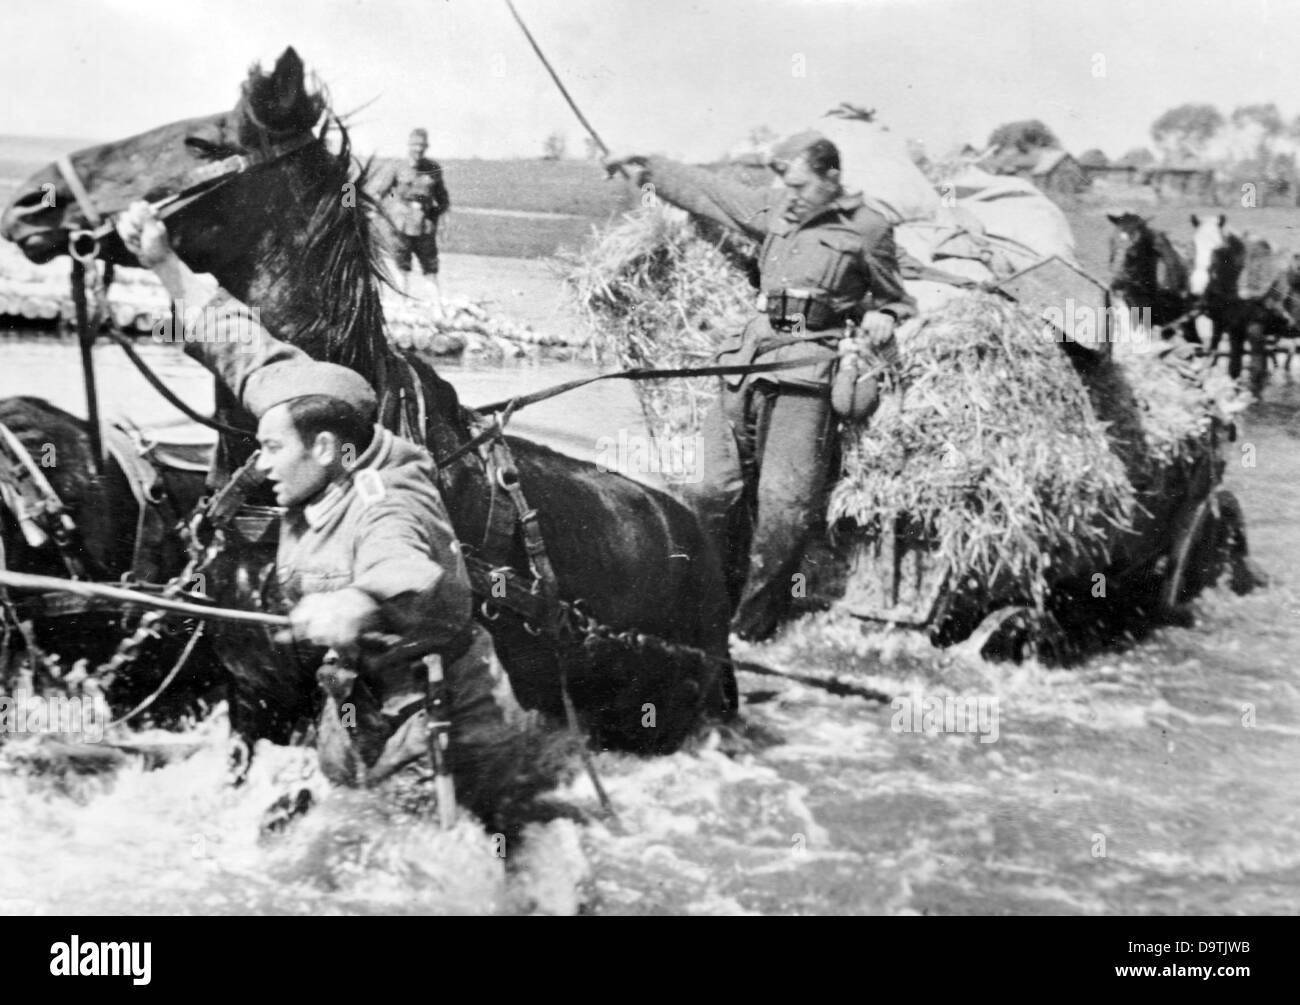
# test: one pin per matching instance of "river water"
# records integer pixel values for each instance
(1159, 778)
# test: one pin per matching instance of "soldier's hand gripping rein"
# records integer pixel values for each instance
(336, 619)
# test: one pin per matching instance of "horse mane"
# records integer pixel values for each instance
(1175, 273)
(335, 264)
(339, 264)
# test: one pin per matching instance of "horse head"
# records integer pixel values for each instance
(286, 231)
(1132, 252)
(1218, 258)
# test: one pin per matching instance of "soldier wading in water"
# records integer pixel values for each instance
(366, 545)
(827, 265)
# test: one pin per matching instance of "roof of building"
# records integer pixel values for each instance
(1048, 161)
(1008, 160)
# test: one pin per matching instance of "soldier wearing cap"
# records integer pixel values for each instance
(366, 544)
(827, 266)
(414, 197)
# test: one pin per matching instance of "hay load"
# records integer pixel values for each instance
(999, 467)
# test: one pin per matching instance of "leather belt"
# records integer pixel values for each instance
(801, 309)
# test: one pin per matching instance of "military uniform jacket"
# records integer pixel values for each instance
(847, 251)
(414, 195)
(381, 528)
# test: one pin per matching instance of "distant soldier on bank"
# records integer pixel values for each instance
(414, 197)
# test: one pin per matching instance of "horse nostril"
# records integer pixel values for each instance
(34, 201)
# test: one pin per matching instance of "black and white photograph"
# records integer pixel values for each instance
(600, 458)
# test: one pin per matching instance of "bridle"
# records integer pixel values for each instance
(84, 248)
(84, 244)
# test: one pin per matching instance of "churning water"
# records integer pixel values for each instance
(1161, 779)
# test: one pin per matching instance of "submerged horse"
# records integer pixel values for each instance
(1148, 274)
(292, 237)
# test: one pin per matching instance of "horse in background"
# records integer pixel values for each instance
(1223, 263)
(1149, 275)
(110, 537)
(1283, 297)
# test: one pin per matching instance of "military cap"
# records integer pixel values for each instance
(280, 382)
(420, 134)
(792, 146)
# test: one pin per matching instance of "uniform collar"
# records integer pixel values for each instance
(334, 498)
(846, 204)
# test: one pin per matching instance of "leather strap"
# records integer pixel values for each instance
(73, 180)
(35, 505)
(128, 448)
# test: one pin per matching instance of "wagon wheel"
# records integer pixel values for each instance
(1213, 537)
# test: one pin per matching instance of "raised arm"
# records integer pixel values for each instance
(225, 335)
(702, 192)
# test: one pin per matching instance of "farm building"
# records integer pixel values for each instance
(1055, 172)
(1112, 175)
(1195, 184)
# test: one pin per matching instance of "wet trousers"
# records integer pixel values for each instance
(378, 714)
(766, 454)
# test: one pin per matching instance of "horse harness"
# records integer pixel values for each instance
(43, 518)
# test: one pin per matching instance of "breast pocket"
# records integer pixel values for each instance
(841, 270)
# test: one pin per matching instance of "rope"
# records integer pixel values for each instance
(180, 662)
(168, 394)
(638, 373)
(117, 594)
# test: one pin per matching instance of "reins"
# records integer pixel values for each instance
(84, 248)
(509, 406)
(208, 178)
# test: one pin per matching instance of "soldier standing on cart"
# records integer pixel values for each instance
(828, 268)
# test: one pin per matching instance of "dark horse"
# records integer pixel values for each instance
(1148, 274)
(293, 238)
(106, 517)
(1221, 260)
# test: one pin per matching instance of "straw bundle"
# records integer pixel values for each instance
(989, 449)
(656, 294)
(1011, 466)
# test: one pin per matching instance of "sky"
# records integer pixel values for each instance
(690, 79)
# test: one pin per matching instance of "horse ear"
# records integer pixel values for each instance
(1223, 218)
(1195, 220)
(1114, 218)
(287, 78)
(278, 103)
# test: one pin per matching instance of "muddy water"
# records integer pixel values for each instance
(1162, 778)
